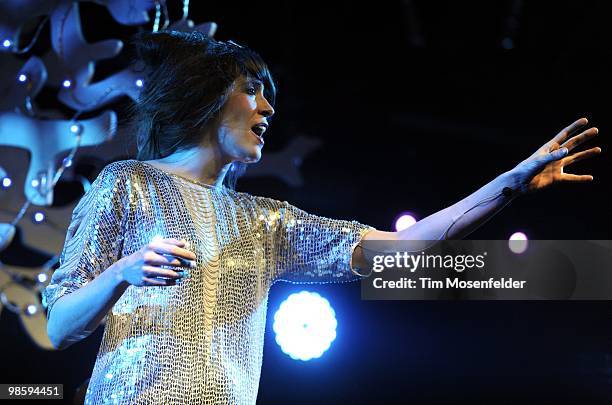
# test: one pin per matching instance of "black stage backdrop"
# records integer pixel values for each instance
(417, 103)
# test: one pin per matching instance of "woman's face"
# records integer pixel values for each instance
(244, 121)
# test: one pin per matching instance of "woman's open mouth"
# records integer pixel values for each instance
(258, 131)
(259, 138)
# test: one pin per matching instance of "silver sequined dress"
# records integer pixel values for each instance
(201, 341)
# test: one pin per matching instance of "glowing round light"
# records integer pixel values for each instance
(76, 128)
(39, 217)
(139, 82)
(31, 309)
(404, 221)
(22, 78)
(6, 43)
(305, 325)
(6, 182)
(67, 162)
(42, 277)
(66, 83)
(35, 183)
(518, 242)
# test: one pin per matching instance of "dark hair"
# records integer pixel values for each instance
(188, 77)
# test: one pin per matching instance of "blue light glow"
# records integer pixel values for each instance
(39, 217)
(305, 325)
(6, 182)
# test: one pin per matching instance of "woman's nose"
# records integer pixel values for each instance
(266, 109)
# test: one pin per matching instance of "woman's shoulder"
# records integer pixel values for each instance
(119, 177)
(257, 202)
(136, 170)
(121, 167)
(128, 170)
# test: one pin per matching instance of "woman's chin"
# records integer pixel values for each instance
(252, 157)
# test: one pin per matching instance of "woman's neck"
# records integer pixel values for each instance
(200, 164)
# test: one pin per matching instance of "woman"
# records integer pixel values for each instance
(207, 255)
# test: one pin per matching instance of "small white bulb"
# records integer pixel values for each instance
(76, 128)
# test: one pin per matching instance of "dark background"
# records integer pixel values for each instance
(418, 104)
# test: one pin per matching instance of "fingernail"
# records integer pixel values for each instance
(192, 263)
(564, 151)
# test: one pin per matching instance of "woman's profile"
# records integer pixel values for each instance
(180, 263)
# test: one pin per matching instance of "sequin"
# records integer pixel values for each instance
(200, 341)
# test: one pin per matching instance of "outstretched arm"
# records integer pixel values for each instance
(542, 169)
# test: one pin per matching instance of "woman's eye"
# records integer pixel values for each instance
(251, 91)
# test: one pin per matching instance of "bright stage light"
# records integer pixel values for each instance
(6, 182)
(39, 217)
(404, 221)
(518, 242)
(31, 309)
(76, 129)
(305, 325)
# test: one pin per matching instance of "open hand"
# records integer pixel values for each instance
(545, 167)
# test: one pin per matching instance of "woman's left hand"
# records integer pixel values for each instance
(545, 167)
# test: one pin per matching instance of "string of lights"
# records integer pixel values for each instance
(41, 184)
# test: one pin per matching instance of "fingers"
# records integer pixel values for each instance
(161, 246)
(554, 155)
(580, 139)
(157, 282)
(577, 157)
(156, 259)
(155, 276)
(577, 178)
(152, 271)
(561, 136)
